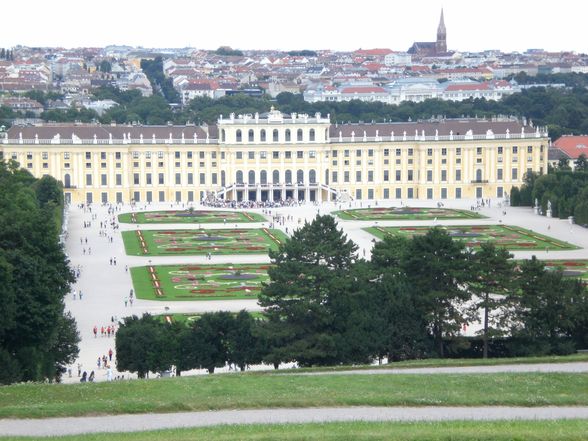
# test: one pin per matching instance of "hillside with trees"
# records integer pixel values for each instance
(562, 110)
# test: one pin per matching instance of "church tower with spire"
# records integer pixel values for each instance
(441, 44)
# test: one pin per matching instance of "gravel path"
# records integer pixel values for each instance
(136, 423)
(576, 367)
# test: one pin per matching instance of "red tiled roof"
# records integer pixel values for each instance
(573, 146)
(373, 66)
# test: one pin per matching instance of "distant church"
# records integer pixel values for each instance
(432, 48)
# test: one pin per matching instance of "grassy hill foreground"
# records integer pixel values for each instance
(254, 390)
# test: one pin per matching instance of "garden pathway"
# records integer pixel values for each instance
(136, 423)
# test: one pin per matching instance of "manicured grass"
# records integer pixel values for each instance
(509, 237)
(449, 362)
(192, 217)
(256, 390)
(199, 282)
(570, 267)
(183, 318)
(559, 430)
(201, 241)
(406, 213)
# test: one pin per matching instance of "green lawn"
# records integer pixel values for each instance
(262, 390)
(192, 217)
(405, 213)
(509, 237)
(570, 267)
(199, 282)
(183, 318)
(449, 362)
(559, 430)
(201, 241)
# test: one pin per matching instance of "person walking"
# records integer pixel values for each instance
(110, 354)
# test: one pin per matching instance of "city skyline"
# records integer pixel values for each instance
(304, 25)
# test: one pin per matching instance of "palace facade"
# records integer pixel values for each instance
(277, 156)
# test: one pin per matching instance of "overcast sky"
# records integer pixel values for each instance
(508, 25)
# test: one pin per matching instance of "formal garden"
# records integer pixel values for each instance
(189, 318)
(199, 282)
(509, 237)
(405, 213)
(570, 268)
(201, 241)
(190, 216)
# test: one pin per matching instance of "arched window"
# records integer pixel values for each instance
(239, 136)
(288, 135)
(263, 177)
(299, 135)
(275, 135)
(288, 176)
(223, 179)
(300, 176)
(262, 135)
(312, 176)
(479, 175)
(311, 135)
(250, 136)
(251, 177)
(223, 135)
(239, 177)
(67, 181)
(276, 177)
(326, 134)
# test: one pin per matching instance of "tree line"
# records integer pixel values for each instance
(566, 190)
(154, 71)
(6, 54)
(326, 306)
(37, 337)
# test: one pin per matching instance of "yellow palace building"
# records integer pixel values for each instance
(275, 156)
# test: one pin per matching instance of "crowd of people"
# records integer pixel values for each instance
(228, 203)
